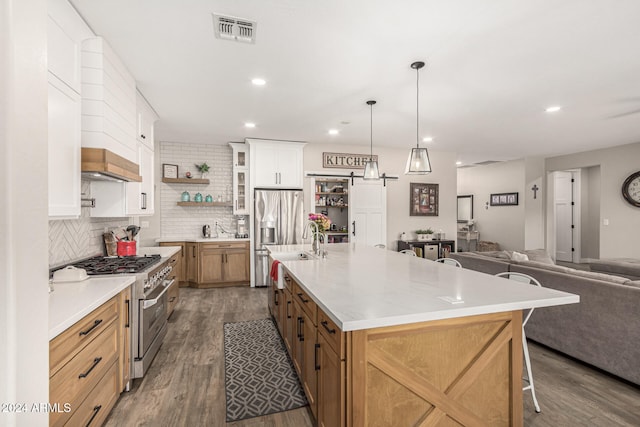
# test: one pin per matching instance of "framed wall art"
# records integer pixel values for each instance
(169, 171)
(423, 199)
(503, 199)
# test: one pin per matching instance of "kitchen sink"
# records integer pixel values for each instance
(295, 256)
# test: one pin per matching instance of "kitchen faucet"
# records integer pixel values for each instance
(317, 235)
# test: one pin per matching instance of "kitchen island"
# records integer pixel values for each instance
(381, 338)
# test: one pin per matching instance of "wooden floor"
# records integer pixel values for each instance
(185, 384)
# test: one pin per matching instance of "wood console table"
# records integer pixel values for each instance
(431, 249)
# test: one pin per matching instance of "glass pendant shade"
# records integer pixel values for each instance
(371, 166)
(418, 162)
(371, 170)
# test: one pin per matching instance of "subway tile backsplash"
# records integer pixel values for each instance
(186, 222)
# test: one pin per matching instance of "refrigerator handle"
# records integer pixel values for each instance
(354, 228)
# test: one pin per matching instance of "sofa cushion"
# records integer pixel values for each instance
(634, 283)
(600, 276)
(539, 255)
(627, 267)
(505, 255)
(545, 266)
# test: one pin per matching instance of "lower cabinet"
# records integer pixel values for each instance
(89, 364)
(317, 350)
(192, 262)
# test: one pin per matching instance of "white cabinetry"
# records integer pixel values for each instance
(109, 115)
(146, 119)
(240, 178)
(276, 164)
(65, 32)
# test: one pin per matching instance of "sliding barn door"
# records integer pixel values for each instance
(368, 212)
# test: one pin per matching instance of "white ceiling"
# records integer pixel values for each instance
(492, 69)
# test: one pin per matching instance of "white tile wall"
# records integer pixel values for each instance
(186, 222)
(70, 240)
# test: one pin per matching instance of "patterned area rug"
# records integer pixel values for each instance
(259, 376)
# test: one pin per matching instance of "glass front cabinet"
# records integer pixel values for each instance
(240, 178)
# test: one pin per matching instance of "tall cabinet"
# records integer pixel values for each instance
(240, 178)
(276, 164)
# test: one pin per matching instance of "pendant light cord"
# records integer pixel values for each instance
(417, 107)
(371, 132)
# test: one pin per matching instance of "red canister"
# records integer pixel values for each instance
(126, 248)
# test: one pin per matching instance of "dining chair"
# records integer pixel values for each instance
(449, 261)
(525, 278)
(409, 252)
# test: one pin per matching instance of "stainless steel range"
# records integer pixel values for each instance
(149, 319)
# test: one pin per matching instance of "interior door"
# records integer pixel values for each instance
(564, 215)
(368, 212)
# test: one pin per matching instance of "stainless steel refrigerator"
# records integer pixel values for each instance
(279, 220)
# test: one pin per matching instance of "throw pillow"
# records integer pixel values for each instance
(539, 255)
(517, 256)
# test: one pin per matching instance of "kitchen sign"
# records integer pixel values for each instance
(345, 160)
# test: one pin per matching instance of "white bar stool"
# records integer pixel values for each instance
(525, 278)
(449, 261)
(409, 252)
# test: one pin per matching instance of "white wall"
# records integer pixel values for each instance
(534, 203)
(620, 237)
(24, 302)
(392, 161)
(502, 224)
(590, 212)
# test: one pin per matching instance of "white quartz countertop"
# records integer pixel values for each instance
(163, 251)
(71, 301)
(362, 287)
(200, 239)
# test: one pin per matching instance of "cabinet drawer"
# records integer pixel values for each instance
(81, 374)
(288, 282)
(173, 295)
(95, 408)
(223, 245)
(64, 346)
(334, 336)
(307, 304)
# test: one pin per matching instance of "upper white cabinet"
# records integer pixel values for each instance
(240, 178)
(140, 195)
(276, 164)
(65, 32)
(109, 111)
(146, 120)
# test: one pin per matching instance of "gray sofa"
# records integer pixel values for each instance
(603, 330)
(625, 267)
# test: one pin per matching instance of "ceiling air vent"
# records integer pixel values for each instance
(237, 29)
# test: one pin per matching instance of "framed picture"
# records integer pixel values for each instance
(169, 171)
(504, 199)
(423, 199)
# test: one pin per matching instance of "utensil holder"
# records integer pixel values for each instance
(126, 248)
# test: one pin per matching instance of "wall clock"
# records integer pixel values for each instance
(631, 189)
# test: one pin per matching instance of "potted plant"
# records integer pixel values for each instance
(203, 169)
(424, 234)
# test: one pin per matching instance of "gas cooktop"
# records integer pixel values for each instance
(117, 265)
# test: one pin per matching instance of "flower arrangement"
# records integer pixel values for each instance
(427, 231)
(321, 220)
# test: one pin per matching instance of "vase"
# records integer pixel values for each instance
(204, 175)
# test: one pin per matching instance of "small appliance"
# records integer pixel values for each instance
(206, 231)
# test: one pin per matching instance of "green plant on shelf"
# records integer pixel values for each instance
(203, 169)
(427, 231)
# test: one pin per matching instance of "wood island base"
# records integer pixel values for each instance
(462, 371)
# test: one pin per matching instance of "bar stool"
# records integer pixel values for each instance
(525, 278)
(449, 261)
(380, 246)
(409, 252)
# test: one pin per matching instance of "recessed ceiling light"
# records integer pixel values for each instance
(458, 163)
(333, 131)
(259, 82)
(553, 109)
(249, 125)
(427, 139)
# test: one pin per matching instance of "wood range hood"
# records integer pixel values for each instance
(99, 164)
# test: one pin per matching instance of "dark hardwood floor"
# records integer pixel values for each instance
(185, 384)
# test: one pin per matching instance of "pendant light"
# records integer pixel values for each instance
(418, 161)
(371, 166)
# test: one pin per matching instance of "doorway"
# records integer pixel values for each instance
(566, 215)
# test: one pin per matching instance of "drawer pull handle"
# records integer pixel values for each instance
(316, 365)
(128, 324)
(288, 314)
(95, 363)
(96, 409)
(326, 326)
(88, 331)
(302, 299)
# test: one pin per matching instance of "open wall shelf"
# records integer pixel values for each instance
(185, 181)
(224, 204)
